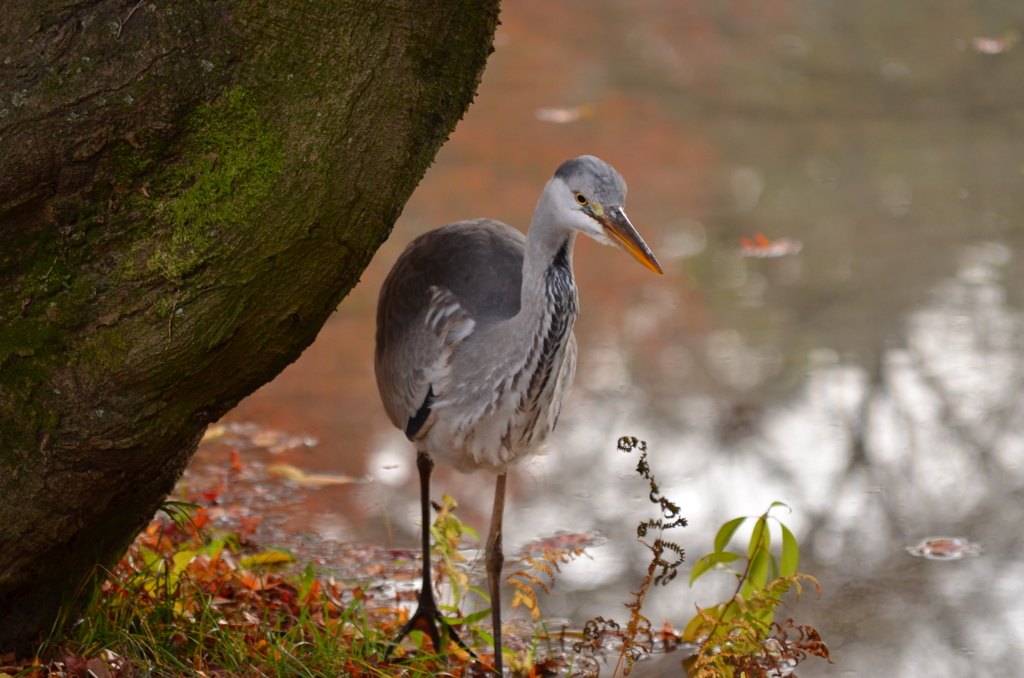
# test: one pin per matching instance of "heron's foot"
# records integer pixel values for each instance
(428, 619)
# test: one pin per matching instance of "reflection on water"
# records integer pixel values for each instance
(871, 378)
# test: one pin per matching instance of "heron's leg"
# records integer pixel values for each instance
(427, 613)
(495, 561)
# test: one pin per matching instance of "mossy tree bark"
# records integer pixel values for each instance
(187, 190)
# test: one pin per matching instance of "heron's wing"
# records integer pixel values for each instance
(448, 283)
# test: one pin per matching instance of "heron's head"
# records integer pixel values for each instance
(590, 196)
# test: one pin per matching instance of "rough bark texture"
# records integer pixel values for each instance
(188, 188)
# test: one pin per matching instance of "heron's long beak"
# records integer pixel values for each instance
(617, 225)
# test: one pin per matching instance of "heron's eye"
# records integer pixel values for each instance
(581, 199)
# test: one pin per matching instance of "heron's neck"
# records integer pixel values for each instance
(533, 344)
(548, 245)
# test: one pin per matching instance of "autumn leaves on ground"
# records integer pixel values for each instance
(187, 600)
(191, 598)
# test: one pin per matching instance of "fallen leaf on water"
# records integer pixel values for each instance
(265, 558)
(761, 247)
(944, 548)
(248, 526)
(213, 495)
(297, 475)
(562, 116)
(995, 45)
(564, 541)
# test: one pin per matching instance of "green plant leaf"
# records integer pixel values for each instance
(790, 552)
(476, 617)
(779, 503)
(699, 568)
(759, 569)
(151, 559)
(726, 612)
(480, 592)
(760, 537)
(765, 615)
(725, 533)
(180, 512)
(306, 580)
(173, 506)
(707, 562)
(213, 549)
(181, 560)
(697, 625)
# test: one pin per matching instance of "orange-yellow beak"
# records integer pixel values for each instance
(622, 232)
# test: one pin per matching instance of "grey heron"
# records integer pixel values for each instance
(475, 350)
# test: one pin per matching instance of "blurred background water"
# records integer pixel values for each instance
(871, 380)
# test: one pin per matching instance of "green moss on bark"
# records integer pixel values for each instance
(229, 166)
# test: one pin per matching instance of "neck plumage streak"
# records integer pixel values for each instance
(562, 308)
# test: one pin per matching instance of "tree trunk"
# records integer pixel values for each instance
(187, 190)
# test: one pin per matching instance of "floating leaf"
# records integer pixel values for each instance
(300, 477)
(563, 115)
(760, 247)
(265, 558)
(944, 548)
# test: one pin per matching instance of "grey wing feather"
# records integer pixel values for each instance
(447, 284)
